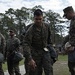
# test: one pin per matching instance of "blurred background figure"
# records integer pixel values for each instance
(12, 45)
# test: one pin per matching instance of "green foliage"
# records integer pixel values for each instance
(17, 20)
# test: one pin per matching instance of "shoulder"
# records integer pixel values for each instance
(46, 24)
(29, 26)
(16, 39)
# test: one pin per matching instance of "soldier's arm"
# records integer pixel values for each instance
(27, 44)
(5, 54)
(72, 33)
(3, 43)
(17, 43)
(63, 44)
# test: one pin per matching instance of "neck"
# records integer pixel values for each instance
(39, 25)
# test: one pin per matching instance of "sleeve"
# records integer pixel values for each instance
(3, 43)
(63, 44)
(17, 44)
(72, 33)
(27, 44)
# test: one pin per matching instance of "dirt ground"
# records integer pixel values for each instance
(61, 68)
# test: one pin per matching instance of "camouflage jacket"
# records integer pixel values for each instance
(72, 32)
(2, 43)
(36, 38)
(71, 55)
(12, 44)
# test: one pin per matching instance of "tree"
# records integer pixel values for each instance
(52, 18)
(19, 18)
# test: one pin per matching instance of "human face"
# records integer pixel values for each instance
(11, 34)
(38, 20)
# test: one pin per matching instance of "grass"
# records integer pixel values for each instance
(5, 66)
(61, 67)
(63, 58)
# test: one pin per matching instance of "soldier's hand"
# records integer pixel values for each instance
(32, 64)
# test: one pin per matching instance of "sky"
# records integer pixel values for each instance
(54, 5)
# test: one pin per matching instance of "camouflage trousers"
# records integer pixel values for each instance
(12, 67)
(71, 66)
(43, 63)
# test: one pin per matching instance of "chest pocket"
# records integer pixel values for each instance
(11, 44)
(72, 27)
(40, 36)
(36, 35)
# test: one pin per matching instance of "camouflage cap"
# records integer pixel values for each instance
(67, 9)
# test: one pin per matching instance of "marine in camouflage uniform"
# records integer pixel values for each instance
(70, 15)
(12, 45)
(2, 50)
(35, 46)
(26, 60)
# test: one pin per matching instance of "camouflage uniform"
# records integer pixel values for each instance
(2, 50)
(72, 32)
(70, 15)
(36, 39)
(12, 45)
(26, 60)
(71, 56)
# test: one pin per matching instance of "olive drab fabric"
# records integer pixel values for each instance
(36, 39)
(12, 45)
(2, 47)
(2, 51)
(2, 43)
(70, 15)
(72, 32)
